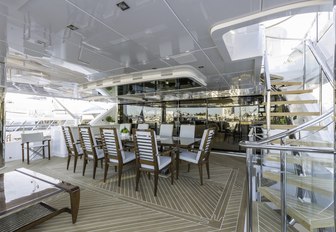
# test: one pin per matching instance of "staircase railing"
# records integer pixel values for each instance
(263, 144)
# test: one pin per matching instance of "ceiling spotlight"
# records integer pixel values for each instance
(201, 66)
(72, 27)
(154, 68)
(123, 6)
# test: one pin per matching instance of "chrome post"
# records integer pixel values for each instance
(304, 64)
(334, 79)
(283, 188)
(249, 171)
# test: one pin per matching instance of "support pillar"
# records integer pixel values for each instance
(3, 54)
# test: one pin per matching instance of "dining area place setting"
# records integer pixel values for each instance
(149, 153)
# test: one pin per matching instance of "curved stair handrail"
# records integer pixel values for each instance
(289, 132)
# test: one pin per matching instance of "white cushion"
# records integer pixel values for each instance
(100, 154)
(187, 131)
(189, 156)
(129, 156)
(166, 130)
(163, 161)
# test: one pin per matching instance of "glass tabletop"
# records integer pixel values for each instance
(18, 189)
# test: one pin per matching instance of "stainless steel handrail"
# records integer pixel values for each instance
(291, 131)
(320, 58)
(268, 93)
(290, 148)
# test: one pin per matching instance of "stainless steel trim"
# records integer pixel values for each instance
(289, 148)
(322, 61)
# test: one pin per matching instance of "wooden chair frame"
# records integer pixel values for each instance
(92, 151)
(153, 162)
(204, 157)
(110, 154)
(71, 146)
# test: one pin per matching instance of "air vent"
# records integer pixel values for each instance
(72, 27)
(123, 6)
(41, 42)
(118, 81)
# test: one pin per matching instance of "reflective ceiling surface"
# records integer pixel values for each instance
(151, 34)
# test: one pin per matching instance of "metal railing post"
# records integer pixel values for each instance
(283, 188)
(249, 169)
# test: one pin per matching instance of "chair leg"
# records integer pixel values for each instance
(137, 179)
(177, 162)
(171, 169)
(148, 173)
(207, 168)
(188, 167)
(75, 163)
(95, 168)
(156, 180)
(105, 171)
(201, 173)
(84, 165)
(120, 167)
(68, 163)
(115, 168)
(101, 163)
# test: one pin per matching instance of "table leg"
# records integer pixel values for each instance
(177, 162)
(74, 201)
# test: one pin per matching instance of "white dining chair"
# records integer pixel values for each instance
(187, 131)
(166, 130)
(143, 126)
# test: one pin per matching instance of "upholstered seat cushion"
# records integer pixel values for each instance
(129, 156)
(100, 154)
(188, 156)
(163, 161)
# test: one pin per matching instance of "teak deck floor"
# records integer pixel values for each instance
(218, 205)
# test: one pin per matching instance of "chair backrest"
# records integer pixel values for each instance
(32, 137)
(166, 130)
(87, 141)
(69, 141)
(146, 150)
(206, 143)
(125, 125)
(112, 144)
(187, 131)
(143, 126)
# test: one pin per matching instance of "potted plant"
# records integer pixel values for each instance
(109, 119)
(124, 131)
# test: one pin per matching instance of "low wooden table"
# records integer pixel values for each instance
(21, 195)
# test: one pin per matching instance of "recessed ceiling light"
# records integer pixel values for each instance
(232, 32)
(167, 58)
(201, 66)
(72, 27)
(239, 79)
(123, 6)
(187, 51)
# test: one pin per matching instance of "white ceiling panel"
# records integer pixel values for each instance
(128, 53)
(149, 23)
(199, 15)
(269, 4)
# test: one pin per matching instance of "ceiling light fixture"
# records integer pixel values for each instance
(201, 66)
(72, 27)
(123, 5)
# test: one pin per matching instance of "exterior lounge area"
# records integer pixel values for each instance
(167, 115)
